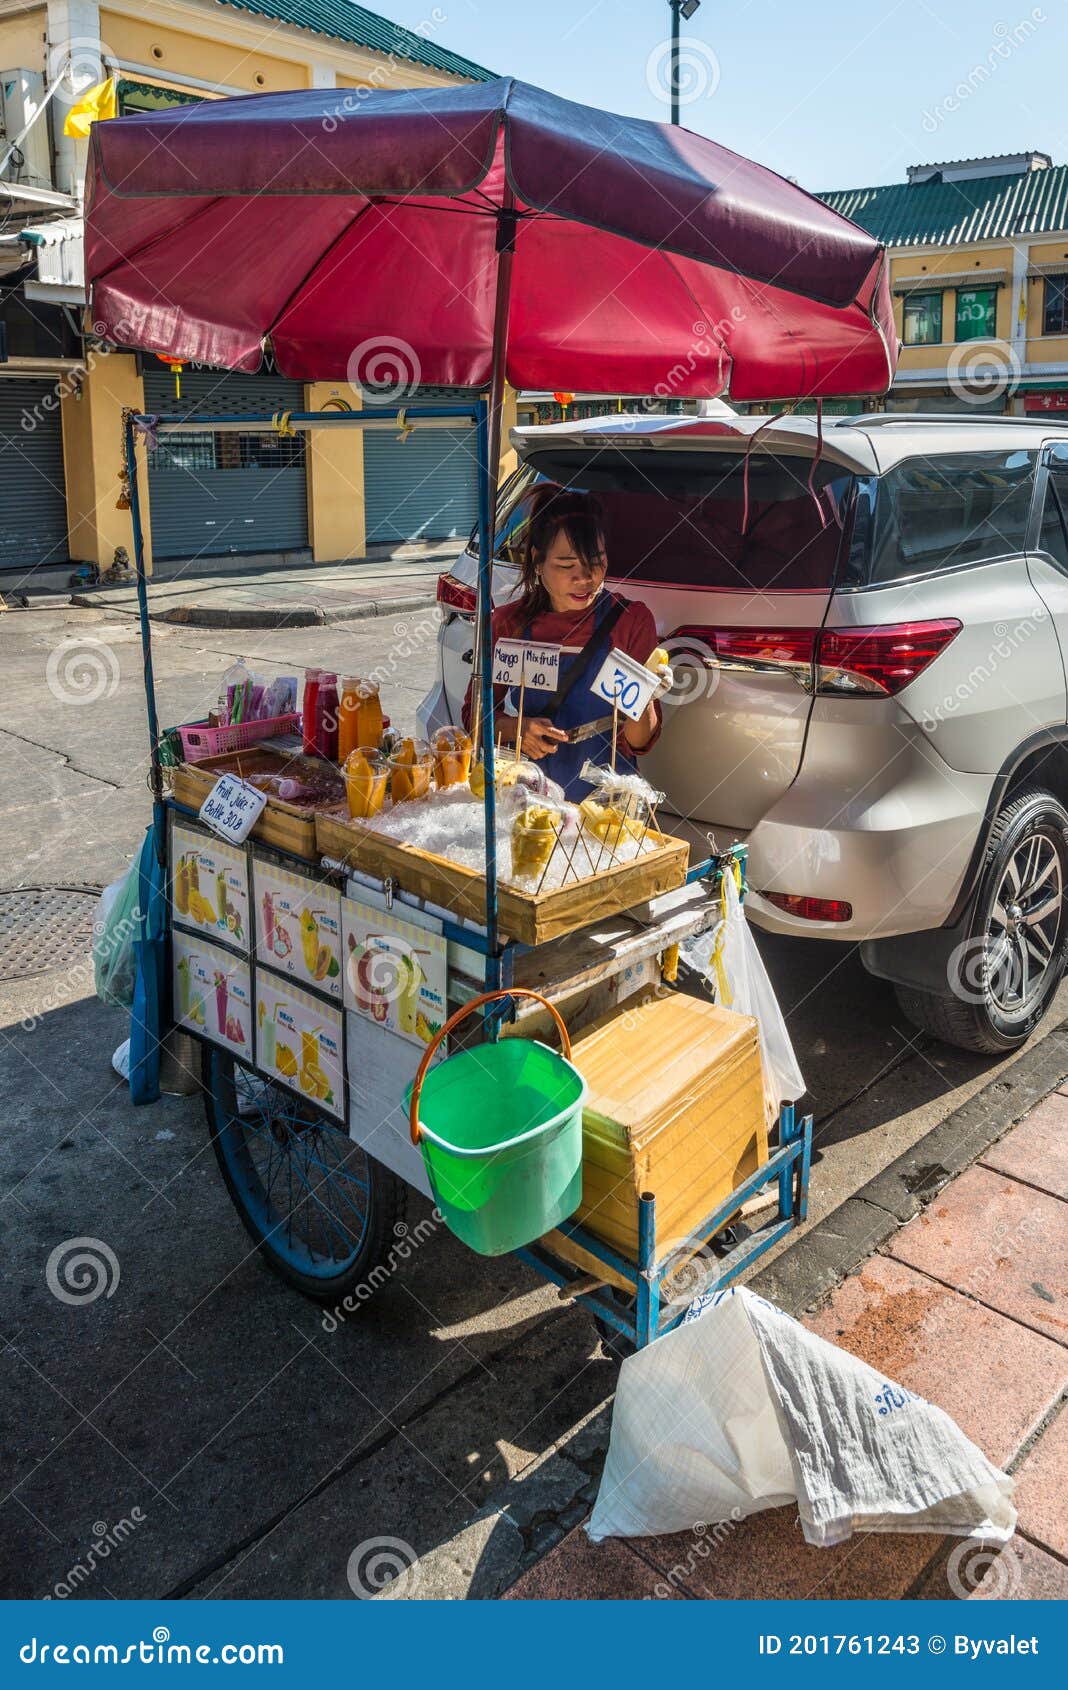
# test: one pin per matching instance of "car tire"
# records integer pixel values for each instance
(1003, 977)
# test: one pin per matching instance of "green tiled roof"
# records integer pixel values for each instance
(345, 21)
(950, 214)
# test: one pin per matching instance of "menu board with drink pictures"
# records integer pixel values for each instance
(298, 926)
(395, 972)
(212, 993)
(299, 1042)
(209, 886)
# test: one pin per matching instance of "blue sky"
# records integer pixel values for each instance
(838, 93)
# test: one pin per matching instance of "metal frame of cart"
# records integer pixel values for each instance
(787, 1169)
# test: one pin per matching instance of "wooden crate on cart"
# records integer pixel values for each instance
(531, 918)
(675, 1107)
(288, 827)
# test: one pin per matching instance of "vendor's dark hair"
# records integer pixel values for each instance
(551, 509)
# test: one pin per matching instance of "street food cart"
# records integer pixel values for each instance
(500, 234)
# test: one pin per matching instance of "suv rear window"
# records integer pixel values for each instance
(931, 514)
(677, 520)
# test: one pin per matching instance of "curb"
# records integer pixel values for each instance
(805, 1273)
(307, 616)
(301, 616)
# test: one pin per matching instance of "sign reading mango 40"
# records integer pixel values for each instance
(526, 661)
(622, 680)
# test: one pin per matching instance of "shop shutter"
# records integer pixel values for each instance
(213, 494)
(33, 498)
(424, 487)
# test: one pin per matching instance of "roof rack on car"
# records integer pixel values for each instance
(884, 419)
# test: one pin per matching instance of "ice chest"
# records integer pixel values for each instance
(674, 1106)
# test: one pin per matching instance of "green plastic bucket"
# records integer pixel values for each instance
(500, 1128)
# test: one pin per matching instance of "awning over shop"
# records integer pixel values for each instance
(951, 279)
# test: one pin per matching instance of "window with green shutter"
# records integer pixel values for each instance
(976, 313)
(923, 319)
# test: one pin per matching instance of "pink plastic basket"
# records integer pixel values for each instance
(200, 741)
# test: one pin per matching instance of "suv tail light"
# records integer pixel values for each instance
(877, 660)
(455, 595)
(810, 909)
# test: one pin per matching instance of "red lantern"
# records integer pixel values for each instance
(177, 365)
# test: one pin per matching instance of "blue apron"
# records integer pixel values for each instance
(580, 706)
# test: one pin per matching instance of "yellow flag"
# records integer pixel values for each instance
(95, 105)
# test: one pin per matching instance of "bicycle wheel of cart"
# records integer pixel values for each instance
(323, 1213)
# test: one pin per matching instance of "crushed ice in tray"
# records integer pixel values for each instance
(451, 824)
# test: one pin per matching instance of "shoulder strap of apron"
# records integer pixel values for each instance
(589, 658)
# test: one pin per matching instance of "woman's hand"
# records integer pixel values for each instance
(540, 738)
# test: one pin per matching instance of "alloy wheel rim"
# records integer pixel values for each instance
(1024, 925)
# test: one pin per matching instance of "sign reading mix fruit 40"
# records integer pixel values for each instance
(298, 926)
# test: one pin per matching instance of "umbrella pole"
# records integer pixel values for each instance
(489, 469)
(155, 773)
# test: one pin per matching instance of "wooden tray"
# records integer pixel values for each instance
(530, 919)
(289, 827)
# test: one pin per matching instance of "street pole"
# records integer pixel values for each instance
(674, 4)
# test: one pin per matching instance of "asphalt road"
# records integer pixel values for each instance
(197, 1421)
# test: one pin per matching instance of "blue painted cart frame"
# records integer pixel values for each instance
(645, 1316)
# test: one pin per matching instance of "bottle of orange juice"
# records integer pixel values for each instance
(360, 720)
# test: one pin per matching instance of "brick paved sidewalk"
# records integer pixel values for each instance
(967, 1304)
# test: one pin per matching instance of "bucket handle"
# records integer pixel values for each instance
(454, 1021)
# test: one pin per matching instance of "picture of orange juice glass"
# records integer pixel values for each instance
(411, 769)
(452, 757)
(366, 776)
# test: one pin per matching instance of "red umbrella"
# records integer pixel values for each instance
(448, 235)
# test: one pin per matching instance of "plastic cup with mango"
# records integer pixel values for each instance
(452, 756)
(534, 836)
(411, 770)
(366, 774)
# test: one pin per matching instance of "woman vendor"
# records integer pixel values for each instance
(563, 601)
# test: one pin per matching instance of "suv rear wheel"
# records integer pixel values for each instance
(1003, 977)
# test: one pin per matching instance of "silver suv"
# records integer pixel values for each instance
(869, 633)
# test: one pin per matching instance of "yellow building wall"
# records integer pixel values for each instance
(337, 520)
(22, 41)
(92, 457)
(1043, 348)
(951, 263)
(182, 53)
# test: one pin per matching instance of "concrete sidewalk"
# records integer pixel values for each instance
(302, 597)
(966, 1305)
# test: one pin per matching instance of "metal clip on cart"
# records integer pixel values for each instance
(322, 1209)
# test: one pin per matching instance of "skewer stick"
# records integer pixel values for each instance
(615, 729)
(571, 855)
(557, 832)
(522, 695)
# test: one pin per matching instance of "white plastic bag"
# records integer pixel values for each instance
(728, 958)
(745, 1409)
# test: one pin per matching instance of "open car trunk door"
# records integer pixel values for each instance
(737, 563)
